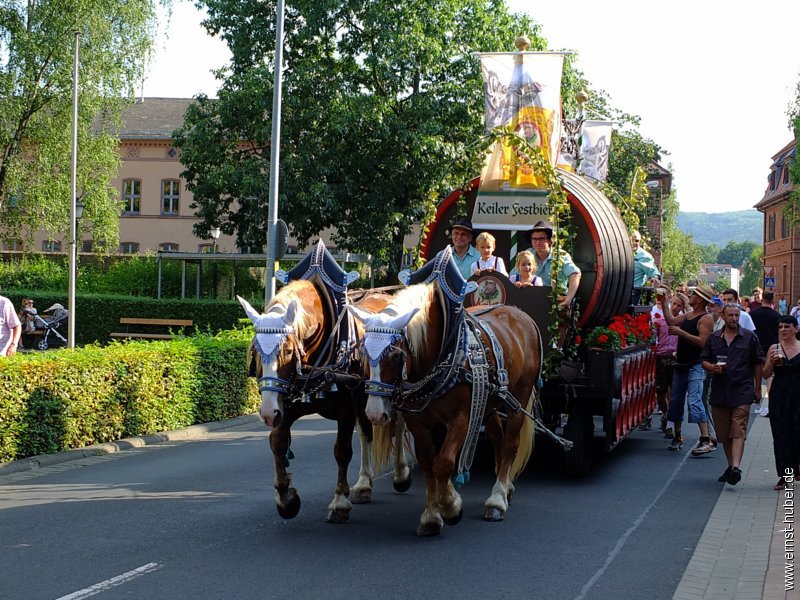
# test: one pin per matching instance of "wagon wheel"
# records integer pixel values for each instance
(42, 344)
(580, 431)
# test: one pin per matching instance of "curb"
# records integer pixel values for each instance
(188, 433)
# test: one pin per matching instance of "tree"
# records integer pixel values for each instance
(382, 112)
(681, 258)
(753, 270)
(381, 102)
(36, 80)
(736, 253)
(709, 253)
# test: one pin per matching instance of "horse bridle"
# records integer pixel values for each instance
(379, 388)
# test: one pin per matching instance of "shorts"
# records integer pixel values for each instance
(731, 421)
(664, 367)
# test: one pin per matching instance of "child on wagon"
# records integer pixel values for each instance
(485, 243)
(525, 267)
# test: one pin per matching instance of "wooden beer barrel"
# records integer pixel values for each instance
(602, 246)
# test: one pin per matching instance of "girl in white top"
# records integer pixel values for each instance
(526, 270)
(485, 243)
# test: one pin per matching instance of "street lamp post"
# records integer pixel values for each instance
(215, 236)
(73, 211)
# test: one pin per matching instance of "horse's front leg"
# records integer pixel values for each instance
(430, 522)
(361, 492)
(444, 467)
(339, 508)
(286, 497)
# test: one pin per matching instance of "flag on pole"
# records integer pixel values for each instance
(522, 91)
(595, 144)
(569, 151)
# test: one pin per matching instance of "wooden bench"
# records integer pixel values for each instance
(138, 323)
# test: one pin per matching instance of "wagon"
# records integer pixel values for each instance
(600, 398)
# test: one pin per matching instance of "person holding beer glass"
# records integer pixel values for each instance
(783, 359)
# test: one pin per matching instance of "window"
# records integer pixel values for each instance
(51, 246)
(785, 179)
(131, 196)
(771, 228)
(87, 246)
(129, 248)
(13, 246)
(772, 181)
(170, 196)
(784, 227)
(784, 279)
(205, 248)
(168, 247)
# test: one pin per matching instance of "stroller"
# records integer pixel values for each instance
(46, 324)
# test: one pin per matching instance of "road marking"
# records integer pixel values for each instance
(110, 583)
(624, 538)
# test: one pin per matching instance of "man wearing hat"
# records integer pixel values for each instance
(464, 253)
(692, 329)
(569, 277)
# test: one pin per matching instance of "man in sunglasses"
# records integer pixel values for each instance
(569, 277)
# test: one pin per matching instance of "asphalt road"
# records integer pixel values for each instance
(196, 519)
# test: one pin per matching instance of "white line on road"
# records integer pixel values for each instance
(624, 538)
(110, 583)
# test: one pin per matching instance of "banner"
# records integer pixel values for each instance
(569, 151)
(510, 211)
(595, 144)
(522, 91)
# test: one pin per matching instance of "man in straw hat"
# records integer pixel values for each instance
(692, 329)
(569, 277)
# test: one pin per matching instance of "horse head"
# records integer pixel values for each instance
(277, 349)
(386, 349)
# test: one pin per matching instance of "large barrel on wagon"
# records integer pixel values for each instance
(601, 246)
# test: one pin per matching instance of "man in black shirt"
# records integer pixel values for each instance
(766, 318)
(733, 356)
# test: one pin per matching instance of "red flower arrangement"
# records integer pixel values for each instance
(623, 331)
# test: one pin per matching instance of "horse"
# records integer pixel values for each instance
(403, 343)
(290, 338)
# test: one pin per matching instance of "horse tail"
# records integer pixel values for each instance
(527, 438)
(382, 445)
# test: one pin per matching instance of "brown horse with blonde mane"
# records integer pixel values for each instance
(291, 338)
(403, 343)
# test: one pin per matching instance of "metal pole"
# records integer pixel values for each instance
(73, 225)
(274, 158)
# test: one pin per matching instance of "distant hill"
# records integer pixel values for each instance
(721, 228)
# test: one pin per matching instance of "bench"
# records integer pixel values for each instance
(141, 323)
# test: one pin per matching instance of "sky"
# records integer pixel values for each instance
(711, 80)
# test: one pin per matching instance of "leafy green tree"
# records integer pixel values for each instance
(709, 253)
(753, 271)
(381, 117)
(736, 253)
(681, 256)
(380, 103)
(36, 80)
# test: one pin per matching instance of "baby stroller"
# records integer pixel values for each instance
(46, 324)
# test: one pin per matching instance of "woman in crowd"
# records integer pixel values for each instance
(783, 359)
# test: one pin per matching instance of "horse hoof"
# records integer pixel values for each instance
(454, 520)
(493, 514)
(428, 529)
(292, 506)
(402, 486)
(361, 496)
(338, 517)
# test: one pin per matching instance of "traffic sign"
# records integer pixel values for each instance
(769, 282)
(768, 271)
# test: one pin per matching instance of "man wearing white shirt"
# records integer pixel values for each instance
(731, 296)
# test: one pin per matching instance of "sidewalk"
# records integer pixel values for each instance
(741, 552)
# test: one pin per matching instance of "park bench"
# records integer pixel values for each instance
(137, 324)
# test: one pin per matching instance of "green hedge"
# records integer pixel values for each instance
(99, 314)
(58, 400)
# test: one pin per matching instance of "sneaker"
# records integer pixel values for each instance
(703, 447)
(764, 412)
(663, 427)
(669, 433)
(646, 425)
(735, 476)
(724, 477)
(757, 410)
(677, 443)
